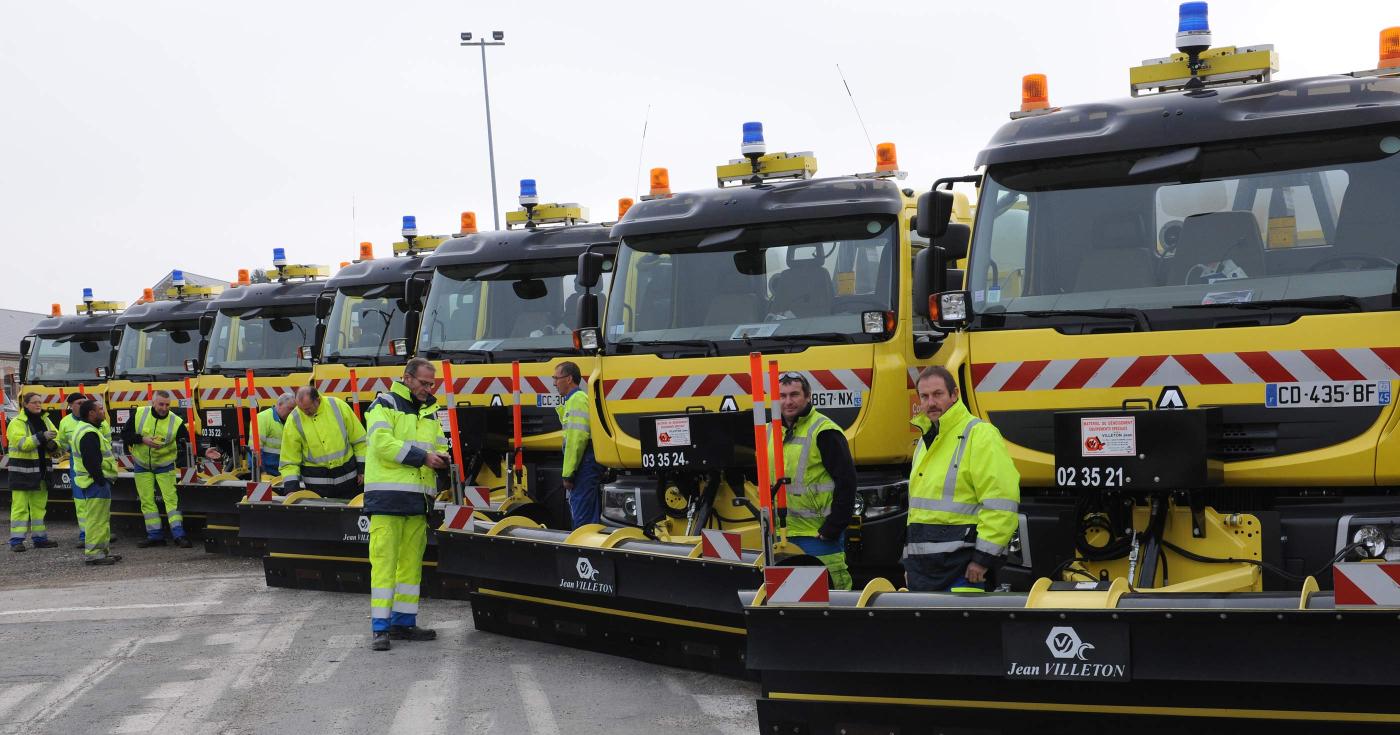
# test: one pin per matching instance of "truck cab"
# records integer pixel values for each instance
(67, 354)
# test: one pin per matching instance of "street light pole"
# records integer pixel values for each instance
(496, 37)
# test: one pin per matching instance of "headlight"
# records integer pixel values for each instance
(1372, 541)
(620, 505)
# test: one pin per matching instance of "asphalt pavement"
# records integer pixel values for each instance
(179, 641)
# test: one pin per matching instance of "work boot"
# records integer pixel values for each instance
(412, 633)
(146, 543)
(183, 542)
(45, 544)
(380, 642)
(17, 547)
(102, 561)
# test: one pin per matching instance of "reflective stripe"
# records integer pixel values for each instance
(987, 547)
(376, 611)
(406, 589)
(805, 513)
(291, 478)
(950, 480)
(920, 548)
(309, 480)
(945, 506)
(403, 453)
(408, 608)
(816, 487)
(271, 443)
(379, 425)
(798, 485)
(575, 426)
(324, 458)
(380, 593)
(1000, 504)
(24, 470)
(398, 487)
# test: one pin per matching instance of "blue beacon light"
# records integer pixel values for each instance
(529, 194)
(410, 226)
(1193, 26)
(87, 296)
(753, 139)
(279, 257)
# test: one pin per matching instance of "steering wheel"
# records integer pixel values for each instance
(1363, 259)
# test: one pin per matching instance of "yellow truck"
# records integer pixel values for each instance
(1180, 312)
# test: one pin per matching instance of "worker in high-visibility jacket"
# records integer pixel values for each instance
(94, 469)
(964, 491)
(323, 447)
(32, 450)
(271, 425)
(66, 426)
(406, 451)
(154, 437)
(821, 492)
(581, 472)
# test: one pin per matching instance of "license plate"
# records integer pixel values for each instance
(1336, 393)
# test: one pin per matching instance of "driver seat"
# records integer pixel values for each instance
(1369, 217)
(1215, 237)
(804, 289)
(1120, 257)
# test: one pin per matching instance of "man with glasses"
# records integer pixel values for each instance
(581, 471)
(406, 450)
(821, 494)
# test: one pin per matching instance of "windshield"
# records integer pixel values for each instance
(778, 280)
(262, 338)
(363, 321)
(157, 349)
(1239, 222)
(68, 358)
(525, 305)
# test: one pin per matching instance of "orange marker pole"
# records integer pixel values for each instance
(255, 461)
(189, 420)
(515, 419)
(778, 461)
(450, 387)
(62, 397)
(355, 394)
(82, 389)
(760, 437)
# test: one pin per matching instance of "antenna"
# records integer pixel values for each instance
(637, 181)
(859, 119)
(354, 226)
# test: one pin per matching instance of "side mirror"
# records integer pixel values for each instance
(24, 347)
(116, 338)
(954, 242)
(319, 340)
(415, 288)
(411, 322)
(203, 347)
(206, 324)
(324, 302)
(935, 211)
(587, 310)
(590, 269)
(927, 263)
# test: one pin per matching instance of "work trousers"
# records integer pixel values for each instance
(97, 509)
(830, 553)
(146, 483)
(583, 499)
(78, 502)
(27, 509)
(945, 572)
(396, 545)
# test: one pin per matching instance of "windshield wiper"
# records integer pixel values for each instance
(1319, 302)
(1137, 315)
(829, 337)
(708, 345)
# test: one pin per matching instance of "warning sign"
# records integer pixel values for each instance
(673, 432)
(1114, 436)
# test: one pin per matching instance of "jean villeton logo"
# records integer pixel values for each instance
(587, 580)
(1069, 659)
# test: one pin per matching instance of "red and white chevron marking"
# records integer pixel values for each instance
(476, 496)
(726, 384)
(457, 517)
(788, 585)
(188, 476)
(529, 385)
(139, 396)
(341, 386)
(126, 462)
(271, 393)
(723, 545)
(261, 492)
(1366, 584)
(1211, 368)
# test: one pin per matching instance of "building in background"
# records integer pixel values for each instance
(14, 325)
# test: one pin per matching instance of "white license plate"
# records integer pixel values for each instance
(1337, 393)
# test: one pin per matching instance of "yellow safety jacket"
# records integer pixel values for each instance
(270, 429)
(573, 418)
(810, 494)
(322, 450)
(165, 430)
(66, 428)
(109, 461)
(965, 480)
(26, 472)
(402, 432)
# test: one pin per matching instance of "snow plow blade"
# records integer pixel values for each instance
(1062, 659)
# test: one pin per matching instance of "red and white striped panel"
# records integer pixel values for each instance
(261, 492)
(1211, 368)
(457, 517)
(188, 476)
(476, 496)
(139, 396)
(787, 585)
(53, 399)
(723, 545)
(1366, 584)
(339, 386)
(529, 385)
(726, 384)
(216, 394)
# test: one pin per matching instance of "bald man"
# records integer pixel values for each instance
(323, 447)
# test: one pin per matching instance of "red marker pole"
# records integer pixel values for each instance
(449, 386)
(82, 389)
(355, 394)
(150, 391)
(4, 422)
(189, 421)
(779, 471)
(515, 419)
(760, 439)
(255, 461)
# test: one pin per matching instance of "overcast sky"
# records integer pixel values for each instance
(141, 136)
